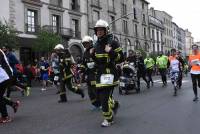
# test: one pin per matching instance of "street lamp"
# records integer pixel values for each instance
(121, 18)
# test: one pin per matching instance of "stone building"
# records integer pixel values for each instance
(168, 32)
(156, 30)
(67, 18)
(128, 21)
(189, 41)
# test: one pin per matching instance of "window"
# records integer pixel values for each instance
(144, 32)
(75, 27)
(32, 20)
(96, 16)
(111, 5)
(125, 26)
(133, 2)
(143, 18)
(142, 5)
(124, 9)
(75, 5)
(135, 14)
(56, 23)
(136, 30)
(112, 18)
(157, 33)
(153, 35)
(146, 47)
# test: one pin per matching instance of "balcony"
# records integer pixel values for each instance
(96, 4)
(32, 29)
(33, 2)
(65, 32)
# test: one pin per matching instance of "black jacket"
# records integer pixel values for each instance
(88, 67)
(106, 62)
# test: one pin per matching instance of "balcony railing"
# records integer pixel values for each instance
(32, 29)
(65, 32)
(33, 2)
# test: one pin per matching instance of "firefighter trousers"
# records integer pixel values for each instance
(92, 93)
(107, 102)
(68, 83)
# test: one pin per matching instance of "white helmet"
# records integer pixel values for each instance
(59, 46)
(87, 39)
(101, 23)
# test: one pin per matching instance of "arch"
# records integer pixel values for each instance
(137, 45)
(146, 47)
(116, 39)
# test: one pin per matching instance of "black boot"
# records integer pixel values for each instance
(63, 98)
(79, 91)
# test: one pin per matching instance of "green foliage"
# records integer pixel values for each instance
(153, 55)
(144, 54)
(46, 41)
(8, 35)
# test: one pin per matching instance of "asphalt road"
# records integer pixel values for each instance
(154, 111)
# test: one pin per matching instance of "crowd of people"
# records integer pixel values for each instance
(99, 67)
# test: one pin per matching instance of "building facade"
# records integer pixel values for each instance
(156, 31)
(176, 35)
(64, 17)
(168, 32)
(182, 42)
(189, 41)
(128, 21)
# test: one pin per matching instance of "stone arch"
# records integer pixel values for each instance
(137, 45)
(116, 39)
(146, 47)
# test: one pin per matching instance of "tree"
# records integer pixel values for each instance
(144, 54)
(46, 41)
(8, 35)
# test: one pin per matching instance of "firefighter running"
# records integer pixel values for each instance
(65, 63)
(106, 54)
(88, 69)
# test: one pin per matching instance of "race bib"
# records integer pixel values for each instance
(175, 65)
(107, 79)
(90, 65)
(42, 67)
(56, 78)
(195, 62)
(4, 76)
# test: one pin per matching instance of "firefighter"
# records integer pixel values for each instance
(65, 62)
(106, 54)
(89, 70)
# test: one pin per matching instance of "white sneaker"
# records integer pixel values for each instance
(43, 89)
(105, 123)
